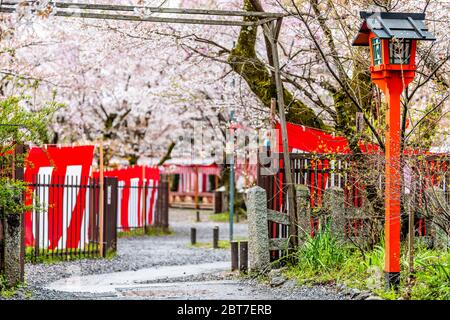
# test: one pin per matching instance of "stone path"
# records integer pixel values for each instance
(162, 267)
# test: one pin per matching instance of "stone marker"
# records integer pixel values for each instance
(13, 251)
(258, 244)
(303, 212)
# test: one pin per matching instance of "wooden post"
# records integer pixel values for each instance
(243, 256)
(216, 237)
(144, 204)
(193, 236)
(101, 199)
(271, 33)
(164, 196)
(110, 216)
(234, 255)
(197, 207)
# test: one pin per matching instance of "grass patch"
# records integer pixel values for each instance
(223, 244)
(9, 292)
(225, 217)
(54, 256)
(139, 232)
(325, 260)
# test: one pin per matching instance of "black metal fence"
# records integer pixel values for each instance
(143, 206)
(65, 221)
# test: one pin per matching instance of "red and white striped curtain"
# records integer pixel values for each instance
(55, 175)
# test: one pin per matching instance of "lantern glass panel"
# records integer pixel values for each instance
(377, 54)
(399, 51)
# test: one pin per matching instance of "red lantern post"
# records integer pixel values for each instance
(392, 40)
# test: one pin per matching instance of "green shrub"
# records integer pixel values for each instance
(321, 252)
(324, 259)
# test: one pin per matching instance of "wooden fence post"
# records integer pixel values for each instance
(162, 203)
(101, 203)
(216, 237)
(234, 255)
(110, 221)
(243, 256)
(193, 236)
(164, 198)
(218, 202)
(143, 201)
(258, 243)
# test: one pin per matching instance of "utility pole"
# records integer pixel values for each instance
(231, 191)
(271, 32)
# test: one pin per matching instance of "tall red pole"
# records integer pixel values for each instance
(393, 91)
(392, 38)
(392, 83)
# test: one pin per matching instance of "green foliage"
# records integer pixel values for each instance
(321, 252)
(7, 292)
(20, 124)
(432, 275)
(223, 244)
(59, 255)
(324, 260)
(151, 231)
(225, 216)
(10, 195)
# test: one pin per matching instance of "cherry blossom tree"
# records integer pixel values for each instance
(131, 84)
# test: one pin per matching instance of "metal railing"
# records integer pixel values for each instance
(65, 220)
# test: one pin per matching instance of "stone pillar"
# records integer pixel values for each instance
(436, 206)
(334, 205)
(13, 250)
(258, 231)
(303, 213)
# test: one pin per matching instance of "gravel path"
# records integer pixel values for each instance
(173, 250)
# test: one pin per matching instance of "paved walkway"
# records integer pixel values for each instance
(161, 267)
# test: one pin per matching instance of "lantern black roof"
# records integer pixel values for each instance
(388, 25)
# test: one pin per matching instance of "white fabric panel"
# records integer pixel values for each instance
(200, 182)
(73, 175)
(133, 203)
